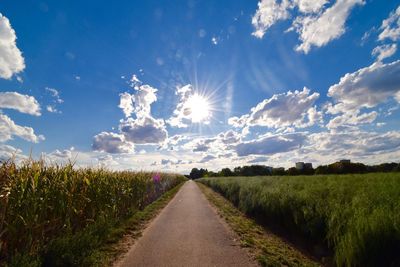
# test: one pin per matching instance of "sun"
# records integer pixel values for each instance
(198, 108)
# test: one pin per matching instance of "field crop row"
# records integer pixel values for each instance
(356, 216)
(41, 204)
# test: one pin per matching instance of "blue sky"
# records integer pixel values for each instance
(170, 85)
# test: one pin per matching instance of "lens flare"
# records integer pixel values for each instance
(198, 108)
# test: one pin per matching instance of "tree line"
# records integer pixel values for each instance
(262, 170)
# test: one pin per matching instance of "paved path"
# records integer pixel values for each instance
(187, 233)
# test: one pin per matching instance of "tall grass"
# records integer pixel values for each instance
(356, 216)
(40, 203)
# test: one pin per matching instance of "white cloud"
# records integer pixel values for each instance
(142, 100)
(273, 144)
(282, 110)
(139, 102)
(112, 143)
(220, 144)
(384, 51)
(8, 129)
(11, 60)
(229, 137)
(126, 104)
(310, 6)
(56, 94)
(174, 140)
(391, 26)
(52, 109)
(323, 28)
(349, 119)
(65, 154)
(181, 112)
(146, 130)
(317, 25)
(268, 13)
(200, 144)
(354, 144)
(238, 122)
(22, 103)
(8, 152)
(366, 87)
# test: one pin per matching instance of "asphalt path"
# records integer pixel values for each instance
(187, 232)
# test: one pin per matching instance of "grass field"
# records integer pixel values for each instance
(268, 249)
(356, 216)
(53, 215)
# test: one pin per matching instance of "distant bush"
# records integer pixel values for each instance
(262, 170)
(357, 216)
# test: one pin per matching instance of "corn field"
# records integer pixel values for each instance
(39, 203)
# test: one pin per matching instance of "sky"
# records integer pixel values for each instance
(172, 85)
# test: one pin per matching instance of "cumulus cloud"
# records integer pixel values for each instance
(320, 30)
(172, 162)
(112, 143)
(310, 6)
(8, 152)
(200, 144)
(353, 143)
(316, 23)
(219, 144)
(147, 130)
(23, 103)
(282, 110)
(64, 154)
(229, 137)
(8, 129)
(143, 98)
(61, 156)
(11, 60)
(366, 87)
(174, 140)
(268, 13)
(391, 26)
(207, 158)
(126, 104)
(272, 144)
(349, 119)
(143, 129)
(181, 112)
(384, 51)
(140, 101)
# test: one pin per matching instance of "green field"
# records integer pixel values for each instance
(53, 215)
(357, 217)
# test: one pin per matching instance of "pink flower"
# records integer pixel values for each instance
(156, 177)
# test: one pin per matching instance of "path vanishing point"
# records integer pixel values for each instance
(187, 232)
